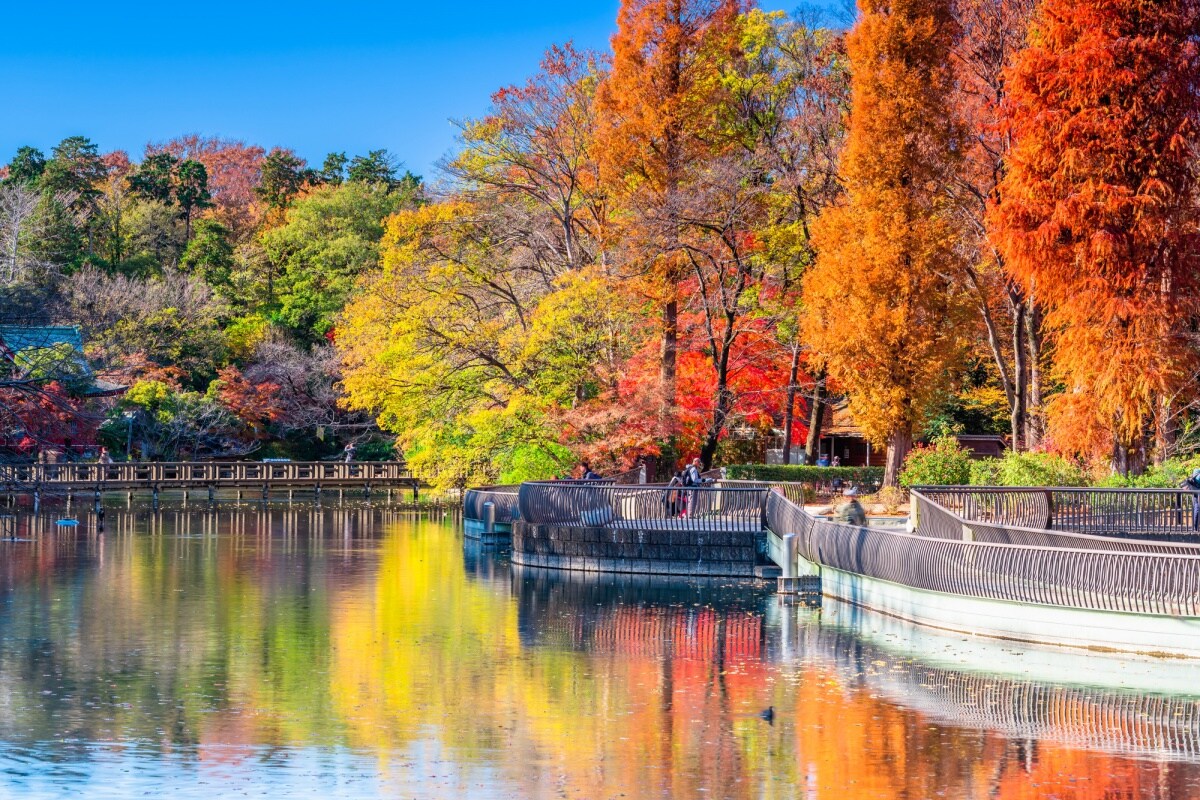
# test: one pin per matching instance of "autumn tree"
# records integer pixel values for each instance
(1098, 215)
(882, 309)
(653, 113)
(993, 32)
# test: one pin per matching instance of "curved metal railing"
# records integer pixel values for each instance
(597, 504)
(1107, 511)
(1143, 582)
(504, 498)
(933, 520)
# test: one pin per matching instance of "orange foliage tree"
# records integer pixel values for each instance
(882, 305)
(1097, 212)
(653, 113)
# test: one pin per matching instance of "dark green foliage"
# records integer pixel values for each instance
(283, 175)
(209, 254)
(377, 166)
(191, 191)
(26, 166)
(333, 171)
(75, 167)
(153, 178)
(803, 473)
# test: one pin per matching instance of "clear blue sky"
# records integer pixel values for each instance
(315, 77)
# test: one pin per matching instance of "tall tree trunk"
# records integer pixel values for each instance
(816, 418)
(670, 346)
(1164, 431)
(1017, 400)
(1035, 422)
(899, 443)
(789, 409)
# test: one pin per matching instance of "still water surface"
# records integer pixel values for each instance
(359, 652)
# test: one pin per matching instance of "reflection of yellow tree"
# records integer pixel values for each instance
(652, 706)
(268, 638)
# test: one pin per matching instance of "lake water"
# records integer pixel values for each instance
(358, 652)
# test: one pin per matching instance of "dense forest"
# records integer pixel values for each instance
(975, 216)
(205, 280)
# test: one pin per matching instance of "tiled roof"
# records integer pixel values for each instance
(19, 337)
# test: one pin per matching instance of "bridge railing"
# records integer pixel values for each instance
(166, 474)
(504, 498)
(1098, 511)
(935, 521)
(596, 504)
(1140, 581)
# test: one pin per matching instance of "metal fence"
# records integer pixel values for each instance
(799, 493)
(596, 504)
(185, 474)
(1101, 511)
(1140, 581)
(933, 520)
(504, 498)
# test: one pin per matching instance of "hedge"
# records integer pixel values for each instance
(803, 473)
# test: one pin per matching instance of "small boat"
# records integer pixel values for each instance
(67, 523)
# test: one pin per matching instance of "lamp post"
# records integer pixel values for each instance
(128, 432)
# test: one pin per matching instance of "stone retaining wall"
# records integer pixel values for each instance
(655, 552)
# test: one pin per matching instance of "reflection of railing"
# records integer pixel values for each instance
(184, 474)
(1101, 511)
(600, 505)
(504, 498)
(1110, 721)
(1145, 582)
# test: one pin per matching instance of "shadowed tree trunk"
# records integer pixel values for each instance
(816, 418)
(789, 411)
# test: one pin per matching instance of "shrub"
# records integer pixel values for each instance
(803, 473)
(985, 472)
(1168, 475)
(943, 463)
(1039, 469)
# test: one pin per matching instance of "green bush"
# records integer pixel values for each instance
(1168, 475)
(985, 472)
(1038, 469)
(803, 473)
(943, 463)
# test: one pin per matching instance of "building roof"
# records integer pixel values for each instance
(15, 338)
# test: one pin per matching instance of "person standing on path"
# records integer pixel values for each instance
(1192, 484)
(851, 512)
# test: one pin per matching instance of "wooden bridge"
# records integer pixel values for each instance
(70, 479)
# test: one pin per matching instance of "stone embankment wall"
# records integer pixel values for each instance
(656, 552)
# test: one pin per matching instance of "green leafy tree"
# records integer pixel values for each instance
(327, 240)
(75, 167)
(26, 166)
(377, 166)
(191, 192)
(283, 176)
(209, 254)
(153, 178)
(334, 169)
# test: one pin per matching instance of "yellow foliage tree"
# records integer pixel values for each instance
(882, 306)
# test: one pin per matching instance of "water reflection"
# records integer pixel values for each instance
(356, 652)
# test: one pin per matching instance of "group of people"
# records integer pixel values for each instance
(678, 501)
